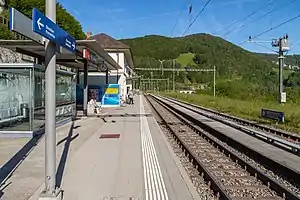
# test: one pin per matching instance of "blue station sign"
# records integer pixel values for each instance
(50, 30)
(273, 114)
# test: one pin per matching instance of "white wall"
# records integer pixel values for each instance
(122, 72)
(96, 78)
(122, 62)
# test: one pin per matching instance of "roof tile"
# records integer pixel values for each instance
(108, 42)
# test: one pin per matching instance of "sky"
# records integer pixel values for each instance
(224, 18)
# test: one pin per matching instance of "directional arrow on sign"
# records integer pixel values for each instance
(45, 27)
(40, 24)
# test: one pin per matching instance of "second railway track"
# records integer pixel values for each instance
(228, 174)
(283, 139)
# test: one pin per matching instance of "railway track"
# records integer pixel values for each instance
(219, 171)
(279, 138)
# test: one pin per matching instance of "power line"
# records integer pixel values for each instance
(273, 28)
(263, 6)
(293, 44)
(264, 47)
(173, 29)
(196, 17)
(266, 14)
(253, 13)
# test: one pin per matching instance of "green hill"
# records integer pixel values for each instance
(240, 73)
(186, 59)
(289, 59)
(230, 60)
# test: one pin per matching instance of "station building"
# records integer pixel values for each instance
(22, 82)
(99, 81)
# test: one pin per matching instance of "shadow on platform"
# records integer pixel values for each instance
(12, 164)
(64, 156)
(7, 170)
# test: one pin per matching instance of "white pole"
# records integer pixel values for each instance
(214, 81)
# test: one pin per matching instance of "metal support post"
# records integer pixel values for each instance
(106, 76)
(214, 81)
(118, 61)
(151, 82)
(281, 57)
(50, 192)
(140, 83)
(85, 88)
(50, 104)
(168, 85)
(78, 77)
(283, 45)
(161, 66)
(173, 75)
(117, 82)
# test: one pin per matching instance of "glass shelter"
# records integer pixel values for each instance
(22, 102)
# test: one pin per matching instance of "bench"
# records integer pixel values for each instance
(272, 114)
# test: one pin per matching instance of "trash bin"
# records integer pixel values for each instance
(24, 110)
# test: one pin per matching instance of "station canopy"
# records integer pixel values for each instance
(65, 57)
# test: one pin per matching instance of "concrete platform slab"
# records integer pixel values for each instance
(24, 174)
(135, 162)
(138, 164)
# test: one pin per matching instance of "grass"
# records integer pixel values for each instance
(246, 109)
(185, 59)
(286, 72)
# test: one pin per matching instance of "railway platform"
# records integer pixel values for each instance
(127, 157)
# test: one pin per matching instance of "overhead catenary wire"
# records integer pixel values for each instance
(177, 20)
(293, 44)
(273, 28)
(263, 6)
(263, 16)
(191, 24)
(254, 42)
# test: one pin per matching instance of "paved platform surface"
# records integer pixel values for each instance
(22, 167)
(137, 164)
(262, 147)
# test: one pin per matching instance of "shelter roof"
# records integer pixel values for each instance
(63, 56)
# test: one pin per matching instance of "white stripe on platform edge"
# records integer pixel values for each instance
(154, 184)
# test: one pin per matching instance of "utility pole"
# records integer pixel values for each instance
(283, 45)
(161, 67)
(214, 81)
(173, 75)
(186, 69)
(152, 88)
(50, 191)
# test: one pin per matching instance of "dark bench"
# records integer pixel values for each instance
(272, 114)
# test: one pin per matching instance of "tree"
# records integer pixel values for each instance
(64, 19)
(242, 73)
(197, 58)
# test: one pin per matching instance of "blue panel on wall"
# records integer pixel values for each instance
(108, 95)
(96, 92)
(112, 95)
